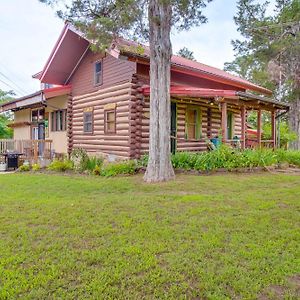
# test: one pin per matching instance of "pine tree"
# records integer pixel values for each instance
(186, 53)
(269, 53)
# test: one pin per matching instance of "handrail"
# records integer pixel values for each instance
(31, 149)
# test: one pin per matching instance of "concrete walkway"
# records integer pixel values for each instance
(7, 172)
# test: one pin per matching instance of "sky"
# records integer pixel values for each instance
(29, 30)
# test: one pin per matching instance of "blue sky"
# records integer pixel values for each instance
(29, 30)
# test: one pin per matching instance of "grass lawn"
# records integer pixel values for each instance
(199, 237)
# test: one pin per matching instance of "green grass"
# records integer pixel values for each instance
(199, 237)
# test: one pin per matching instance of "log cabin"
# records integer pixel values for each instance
(100, 102)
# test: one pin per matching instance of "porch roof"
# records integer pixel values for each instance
(35, 98)
(194, 92)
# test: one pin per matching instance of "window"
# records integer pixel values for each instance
(192, 123)
(98, 73)
(88, 121)
(110, 121)
(59, 120)
(37, 115)
(46, 85)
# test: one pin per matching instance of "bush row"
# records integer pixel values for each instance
(222, 158)
(229, 159)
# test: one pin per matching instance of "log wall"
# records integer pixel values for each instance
(99, 142)
(114, 71)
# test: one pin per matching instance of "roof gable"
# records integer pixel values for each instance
(68, 50)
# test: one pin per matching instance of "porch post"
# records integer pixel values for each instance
(224, 121)
(273, 128)
(243, 119)
(259, 127)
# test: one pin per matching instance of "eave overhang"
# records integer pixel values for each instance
(67, 52)
(36, 98)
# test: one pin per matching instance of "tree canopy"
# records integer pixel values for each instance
(269, 52)
(5, 131)
(186, 53)
(102, 20)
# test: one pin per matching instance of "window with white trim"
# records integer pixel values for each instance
(98, 72)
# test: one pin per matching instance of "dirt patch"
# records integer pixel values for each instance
(294, 281)
(276, 292)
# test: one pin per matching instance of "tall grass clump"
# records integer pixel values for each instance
(60, 165)
(119, 168)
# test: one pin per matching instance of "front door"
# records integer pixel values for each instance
(173, 127)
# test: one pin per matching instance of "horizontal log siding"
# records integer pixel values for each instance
(191, 145)
(98, 142)
(114, 71)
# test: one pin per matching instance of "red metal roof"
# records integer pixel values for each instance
(56, 91)
(72, 45)
(187, 66)
(37, 97)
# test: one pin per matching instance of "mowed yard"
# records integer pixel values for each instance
(199, 237)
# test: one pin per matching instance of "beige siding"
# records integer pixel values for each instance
(23, 132)
(59, 138)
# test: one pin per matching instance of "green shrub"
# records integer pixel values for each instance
(184, 160)
(143, 161)
(82, 162)
(79, 158)
(228, 158)
(24, 168)
(97, 170)
(286, 135)
(92, 162)
(36, 167)
(113, 169)
(60, 165)
(288, 156)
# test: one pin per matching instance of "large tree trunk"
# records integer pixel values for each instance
(159, 166)
(294, 123)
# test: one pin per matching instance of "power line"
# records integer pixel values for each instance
(10, 86)
(19, 88)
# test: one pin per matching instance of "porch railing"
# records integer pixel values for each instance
(31, 149)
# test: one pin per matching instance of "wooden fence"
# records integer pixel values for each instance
(31, 149)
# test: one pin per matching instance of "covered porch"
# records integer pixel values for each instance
(33, 151)
(39, 125)
(201, 115)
